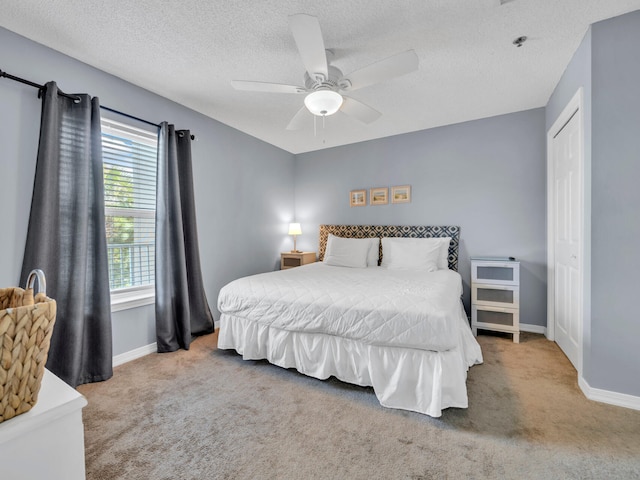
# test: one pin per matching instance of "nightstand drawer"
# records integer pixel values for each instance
(494, 318)
(290, 262)
(507, 296)
(496, 273)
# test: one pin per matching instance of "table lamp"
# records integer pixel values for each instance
(294, 229)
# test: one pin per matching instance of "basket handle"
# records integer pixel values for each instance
(42, 283)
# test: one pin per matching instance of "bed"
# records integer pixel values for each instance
(399, 327)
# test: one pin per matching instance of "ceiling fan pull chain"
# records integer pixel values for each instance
(324, 132)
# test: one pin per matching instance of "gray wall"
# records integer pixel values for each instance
(487, 176)
(607, 65)
(615, 329)
(243, 186)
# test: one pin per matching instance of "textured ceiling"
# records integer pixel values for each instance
(189, 52)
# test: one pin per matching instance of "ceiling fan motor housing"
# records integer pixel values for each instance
(322, 83)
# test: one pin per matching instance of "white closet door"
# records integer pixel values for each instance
(568, 194)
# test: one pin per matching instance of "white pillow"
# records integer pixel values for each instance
(347, 252)
(412, 253)
(443, 259)
(374, 252)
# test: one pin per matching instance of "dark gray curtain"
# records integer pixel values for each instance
(182, 311)
(66, 237)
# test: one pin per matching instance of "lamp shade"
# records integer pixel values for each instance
(323, 102)
(294, 229)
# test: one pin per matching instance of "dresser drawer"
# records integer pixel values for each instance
(495, 273)
(507, 296)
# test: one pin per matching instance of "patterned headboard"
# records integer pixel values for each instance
(370, 231)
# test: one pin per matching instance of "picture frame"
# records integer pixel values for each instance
(358, 198)
(401, 194)
(379, 196)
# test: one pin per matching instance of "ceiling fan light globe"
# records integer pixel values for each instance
(323, 102)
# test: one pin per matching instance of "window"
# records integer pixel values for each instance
(129, 158)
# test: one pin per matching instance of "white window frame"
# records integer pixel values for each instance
(138, 296)
(126, 298)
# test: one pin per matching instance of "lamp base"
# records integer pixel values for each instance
(295, 249)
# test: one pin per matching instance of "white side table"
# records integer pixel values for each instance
(495, 295)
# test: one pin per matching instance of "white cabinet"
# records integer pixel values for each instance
(47, 442)
(495, 295)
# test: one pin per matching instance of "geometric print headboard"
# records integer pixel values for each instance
(372, 231)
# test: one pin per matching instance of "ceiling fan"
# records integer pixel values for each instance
(324, 83)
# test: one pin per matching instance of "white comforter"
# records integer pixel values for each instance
(374, 306)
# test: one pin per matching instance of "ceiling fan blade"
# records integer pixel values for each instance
(390, 67)
(356, 109)
(308, 36)
(266, 87)
(298, 119)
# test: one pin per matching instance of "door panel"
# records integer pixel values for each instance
(568, 238)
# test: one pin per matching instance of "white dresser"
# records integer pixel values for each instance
(495, 295)
(47, 442)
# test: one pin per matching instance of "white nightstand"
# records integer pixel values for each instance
(495, 295)
(296, 259)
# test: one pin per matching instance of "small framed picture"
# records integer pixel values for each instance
(379, 196)
(401, 194)
(358, 198)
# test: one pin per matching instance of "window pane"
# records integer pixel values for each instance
(131, 248)
(129, 159)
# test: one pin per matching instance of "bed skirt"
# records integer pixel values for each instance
(409, 379)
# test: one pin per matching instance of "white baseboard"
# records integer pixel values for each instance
(606, 396)
(526, 327)
(135, 353)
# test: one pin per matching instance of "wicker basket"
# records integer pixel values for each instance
(26, 324)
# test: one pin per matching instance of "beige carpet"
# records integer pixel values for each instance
(207, 414)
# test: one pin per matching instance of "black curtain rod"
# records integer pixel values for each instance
(129, 116)
(76, 98)
(113, 110)
(35, 85)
